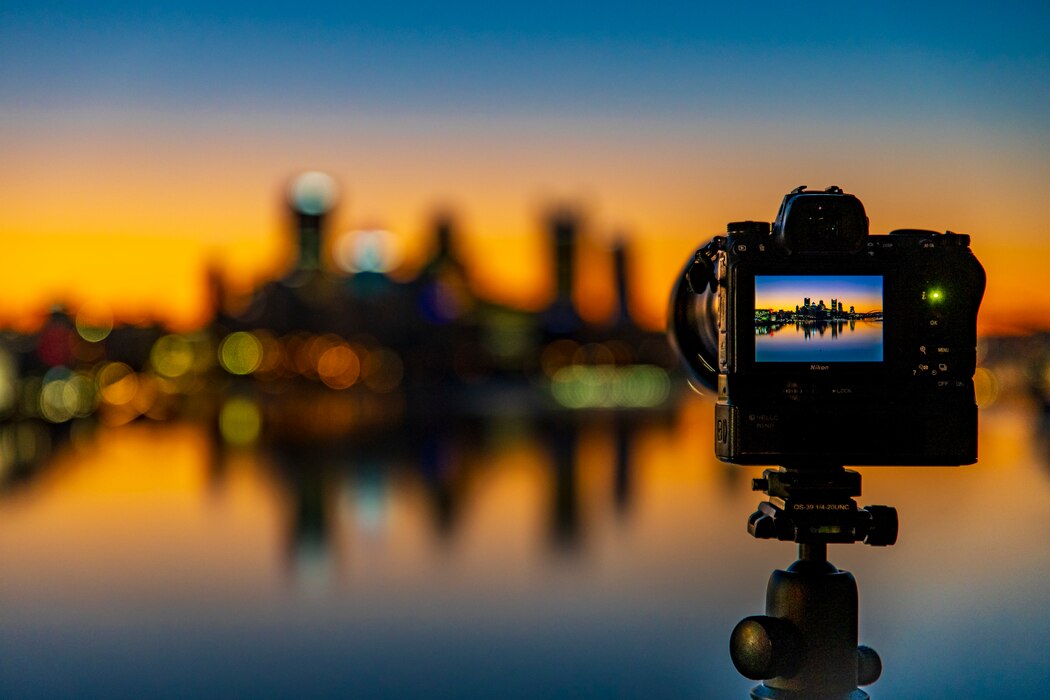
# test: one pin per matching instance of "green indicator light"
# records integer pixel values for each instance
(936, 295)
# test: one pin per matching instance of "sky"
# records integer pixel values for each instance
(144, 144)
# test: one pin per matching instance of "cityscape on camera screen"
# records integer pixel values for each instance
(818, 318)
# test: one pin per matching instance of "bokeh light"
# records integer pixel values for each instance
(117, 383)
(313, 193)
(339, 367)
(371, 250)
(172, 356)
(240, 421)
(93, 324)
(608, 386)
(58, 400)
(65, 395)
(240, 353)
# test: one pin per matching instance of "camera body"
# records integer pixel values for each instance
(830, 346)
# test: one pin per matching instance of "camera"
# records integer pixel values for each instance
(827, 345)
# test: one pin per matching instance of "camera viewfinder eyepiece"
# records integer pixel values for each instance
(820, 222)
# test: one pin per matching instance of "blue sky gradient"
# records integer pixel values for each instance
(896, 61)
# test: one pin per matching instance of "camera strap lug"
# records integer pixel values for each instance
(702, 273)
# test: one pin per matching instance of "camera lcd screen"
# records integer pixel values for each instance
(818, 318)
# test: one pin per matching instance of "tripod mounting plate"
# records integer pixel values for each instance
(817, 507)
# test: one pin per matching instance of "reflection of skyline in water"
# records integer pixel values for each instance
(835, 340)
(554, 551)
(808, 328)
(445, 466)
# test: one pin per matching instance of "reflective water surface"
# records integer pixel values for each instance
(837, 340)
(560, 556)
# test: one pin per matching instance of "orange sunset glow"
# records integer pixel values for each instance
(134, 226)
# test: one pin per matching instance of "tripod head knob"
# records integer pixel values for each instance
(764, 647)
(882, 526)
(869, 665)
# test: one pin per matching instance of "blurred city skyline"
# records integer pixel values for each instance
(786, 292)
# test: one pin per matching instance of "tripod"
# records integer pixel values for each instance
(805, 646)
